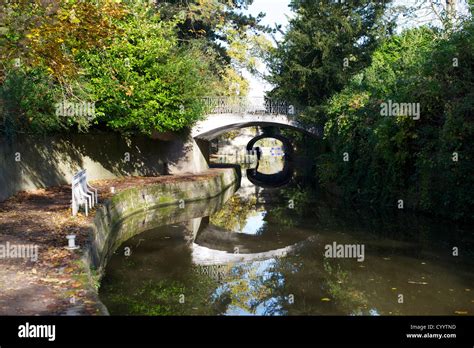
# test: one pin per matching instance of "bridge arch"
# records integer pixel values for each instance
(229, 113)
(271, 180)
(288, 147)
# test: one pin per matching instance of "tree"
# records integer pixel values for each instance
(102, 52)
(48, 33)
(39, 42)
(395, 157)
(326, 44)
(144, 81)
(235, 37)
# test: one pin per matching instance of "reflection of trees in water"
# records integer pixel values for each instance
(299, 288)
(319, 287)
(333, 287)
(262, 287)
(271, 164)
(294, 207)
(245, 291)
(162, 297)
(235, 212)
(339, 287)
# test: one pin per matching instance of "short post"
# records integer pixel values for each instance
(71, 238)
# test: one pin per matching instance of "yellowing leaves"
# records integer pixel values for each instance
(52, 40)
(129, 91)
(73, 19)
(358, 101)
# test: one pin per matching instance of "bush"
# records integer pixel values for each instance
(119, 56)
(27, 103)
(394, 158)
(144, 81)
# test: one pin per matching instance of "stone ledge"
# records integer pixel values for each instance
(133, 211)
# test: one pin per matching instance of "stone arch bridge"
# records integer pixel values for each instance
(225, 114)
(228, 113)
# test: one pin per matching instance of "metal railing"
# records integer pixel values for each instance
(248, 105)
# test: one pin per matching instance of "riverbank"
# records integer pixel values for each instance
(60, 281)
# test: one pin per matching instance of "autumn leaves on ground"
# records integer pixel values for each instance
(57, 283)
(52, 284)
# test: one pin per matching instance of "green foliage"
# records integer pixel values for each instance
(390, 158)
(308, 66)
(142, 75)
(212, 21)
(395, 158)
(223, 28)
(39, 41)
(27, 102)
(48, 34)
(144, 81)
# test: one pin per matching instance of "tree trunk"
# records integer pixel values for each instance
(451, 8)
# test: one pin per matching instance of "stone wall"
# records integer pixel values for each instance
(134, 210)
(34, 162)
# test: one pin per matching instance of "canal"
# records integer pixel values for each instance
(268, 251)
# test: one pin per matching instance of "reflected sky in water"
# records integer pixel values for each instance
(255, 223)
(284, 271)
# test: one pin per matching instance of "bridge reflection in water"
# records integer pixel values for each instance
(253, 255)
(266, 178)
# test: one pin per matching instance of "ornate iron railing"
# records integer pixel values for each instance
(248, 105)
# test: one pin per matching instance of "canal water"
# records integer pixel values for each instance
(267, 251)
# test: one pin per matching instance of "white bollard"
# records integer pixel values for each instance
(112, 189)
(71, 238)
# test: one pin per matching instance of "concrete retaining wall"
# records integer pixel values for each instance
(34, 162)
(133, 211)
